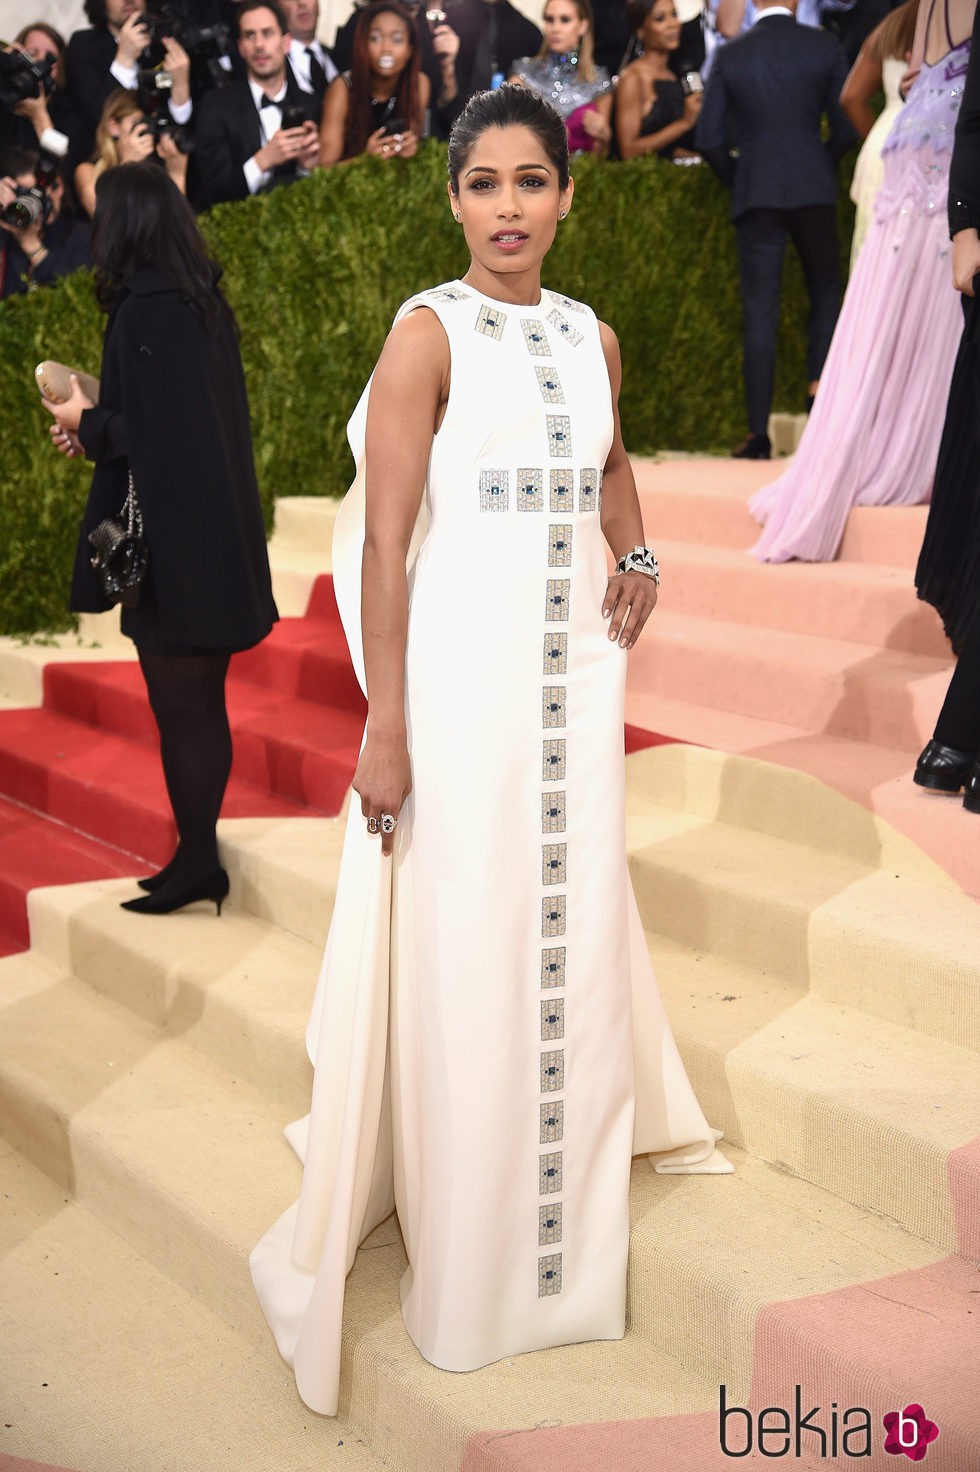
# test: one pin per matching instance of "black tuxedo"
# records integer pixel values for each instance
(767, 95)
(88, 57)
(229, 132)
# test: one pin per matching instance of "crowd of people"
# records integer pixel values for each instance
(234, 97)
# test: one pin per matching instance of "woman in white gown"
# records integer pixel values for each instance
(486, 984)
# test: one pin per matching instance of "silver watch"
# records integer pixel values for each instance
(641, 559)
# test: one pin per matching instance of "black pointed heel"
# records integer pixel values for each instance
(177, 893)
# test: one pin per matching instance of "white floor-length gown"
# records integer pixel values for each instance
(484, 992)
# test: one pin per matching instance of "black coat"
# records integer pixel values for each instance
(88, 57)
(173, 408)
(228, 133)
(516, 36)
(766, 95)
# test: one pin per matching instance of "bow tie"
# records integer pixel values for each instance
(267, 102)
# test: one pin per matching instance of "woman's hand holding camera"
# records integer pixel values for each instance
(382, 144)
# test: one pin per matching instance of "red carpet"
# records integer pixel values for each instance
(86, 797)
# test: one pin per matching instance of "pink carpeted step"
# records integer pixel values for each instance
(888, 697)
(705, 501)
(103, 785)
(296, 748)
(840, 600)
(36, 852)
(305, 657)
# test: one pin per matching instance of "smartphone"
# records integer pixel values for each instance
(393, 126)
(293, 116)
(53, 382)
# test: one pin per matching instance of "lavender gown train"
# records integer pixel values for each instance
(873, 435)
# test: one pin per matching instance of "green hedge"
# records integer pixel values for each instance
(316, 272)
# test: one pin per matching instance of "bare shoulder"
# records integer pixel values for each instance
(610, 351)
(417, 343)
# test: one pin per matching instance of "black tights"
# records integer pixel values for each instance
(187, 697)
(959, 720)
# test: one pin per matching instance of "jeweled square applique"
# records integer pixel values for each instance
(549, 1173)
(555, 654)
(553, 706)
(490, 322)
(553, 761)
(588, 490)
(553, 863)
(549, 1275)
(535, 338)
(564, 328)
(553, 1071)
(551, 1122)
(556, 601)
(550, 385)
(530, 490)
(559, 436)
(566, 302)
(494, 490)
(552, 812)
(562, 497)
(559, 536)
(449, 294)
(553, 966)
(553, 1022)
(553, 917)
(549, 1224)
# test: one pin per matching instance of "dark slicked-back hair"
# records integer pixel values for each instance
(142, 220)
(272, 5)
(509, 106)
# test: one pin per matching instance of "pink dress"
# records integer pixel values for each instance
(873, 435)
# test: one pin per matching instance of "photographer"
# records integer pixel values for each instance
(38, 243)
(108, 56)
(35, 110)
(124, 136)
(255, 134)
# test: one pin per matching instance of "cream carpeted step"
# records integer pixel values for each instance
(110, 1366)
(186, 1162)
(300, 549)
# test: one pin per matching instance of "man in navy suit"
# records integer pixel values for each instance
(242, 147)
(766, 97)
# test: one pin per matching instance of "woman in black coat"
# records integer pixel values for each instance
(173, 410)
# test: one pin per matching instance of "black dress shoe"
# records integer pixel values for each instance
(179, 891)
(753, 447)
(971, 797)
(944, 768)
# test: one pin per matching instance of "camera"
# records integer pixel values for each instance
(204, 44)
(22, 78)
(153, 88)
(32, 202)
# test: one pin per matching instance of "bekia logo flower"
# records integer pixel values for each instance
(909, 1431)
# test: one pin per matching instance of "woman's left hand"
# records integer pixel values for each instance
(69, 413)
(65, 442)
(596, 125)
(630, 599)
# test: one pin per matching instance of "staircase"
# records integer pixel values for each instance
(819, 966)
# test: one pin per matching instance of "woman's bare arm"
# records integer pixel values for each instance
(630, 597)
(333, 123)
(863, 81)
(410, 387)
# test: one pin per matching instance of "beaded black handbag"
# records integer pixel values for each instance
(120, 552)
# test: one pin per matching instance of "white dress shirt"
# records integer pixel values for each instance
(299, 60)
(270, 121)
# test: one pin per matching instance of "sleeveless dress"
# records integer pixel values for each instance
(484, 990)
(869, 168)
(874, 431)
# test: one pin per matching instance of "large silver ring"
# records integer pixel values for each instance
(388, 823)
(373, 826)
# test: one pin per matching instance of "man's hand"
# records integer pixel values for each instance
(284, 147)
(177, 65)
(132, 39)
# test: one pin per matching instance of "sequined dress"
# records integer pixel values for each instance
(489, 1044)
(873, 435)
(556, 78)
